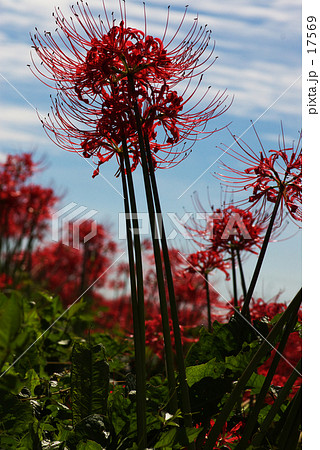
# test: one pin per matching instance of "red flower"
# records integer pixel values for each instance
(267, 173)
(206, 261)
(25, 209)
(94, 109)
(69, 271)
(227, 436)
(236, 228)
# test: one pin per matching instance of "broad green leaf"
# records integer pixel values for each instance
(89, 381)
(15, 414)
(11, 317)
(218, 344)
(32, 380)
(192, 433)
(167, 439)
(212, 369)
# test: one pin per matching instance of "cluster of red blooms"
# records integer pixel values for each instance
(219, 233)
(236, 228)
(108, 73)
(24, 211)
(190, 297)
(24, 206)
(71, 272)
(227, 436)
(268, 173)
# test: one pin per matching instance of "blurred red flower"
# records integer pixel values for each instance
(71, 272)
(25, 210)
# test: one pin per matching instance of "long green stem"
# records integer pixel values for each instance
(137, 247)
(234, 279)
(290, 430)
(186, 408)
(245, 308)
(158, 260)
(208, 301)
(243, 281)
(241, 384)
(139, 347)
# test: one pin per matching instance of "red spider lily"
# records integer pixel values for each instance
(267, 173)
(227, 436)
(225, 228)
(228, 226)
(205, 261)
(94, 108)
(69, 272)
(236, 228)
(5, 280)
(24, 212)
(24, 207)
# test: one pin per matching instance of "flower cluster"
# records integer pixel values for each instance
(68, 271)
(227, 436)
(267, 174)
(106, 74)
(205, 261)
(25, 208)
(236, 228)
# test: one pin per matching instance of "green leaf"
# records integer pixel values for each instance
(238, 363)
(88, 445)
(255, 383)
(32, 380)
(212, 369)
(89, 381)
(167, 439)
(218, 344)
(192, 433)
(11, 317)
(15, 414)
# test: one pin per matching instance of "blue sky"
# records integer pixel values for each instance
(258, 45)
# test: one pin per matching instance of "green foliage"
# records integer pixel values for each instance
(11, 318)
(89, 381)
(55, 391)
(218, 344)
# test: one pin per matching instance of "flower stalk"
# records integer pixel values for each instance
(206, 282)
(234, 278)
(245, 308)
(138, 335)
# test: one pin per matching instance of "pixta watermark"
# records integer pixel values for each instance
(66, 224)
(180, 226)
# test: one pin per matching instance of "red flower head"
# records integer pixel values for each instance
(105, 71)
(236, 228)
(205, 261)
(269, 173)
(225, 228)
